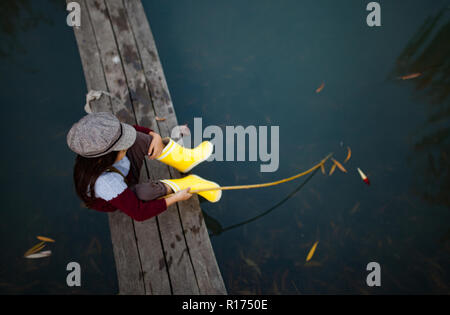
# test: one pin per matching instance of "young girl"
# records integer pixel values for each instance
(110, 155)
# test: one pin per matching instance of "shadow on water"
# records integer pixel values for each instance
(16, 17)
(216, 228)
(428, 53)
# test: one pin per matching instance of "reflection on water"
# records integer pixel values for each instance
(428, 53)
(18, 16)
(216, 228)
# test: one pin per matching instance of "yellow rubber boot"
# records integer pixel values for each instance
(196, 183)
(184, 159)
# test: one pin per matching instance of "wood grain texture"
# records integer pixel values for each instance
(154, 266)
(90, 60)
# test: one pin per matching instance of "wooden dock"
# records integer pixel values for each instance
(172, 253)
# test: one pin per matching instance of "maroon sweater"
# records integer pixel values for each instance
(129, 203)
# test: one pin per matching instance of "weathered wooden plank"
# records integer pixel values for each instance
(154, 74)
(156, 278)
(90, 59)
(181, 272)
(181, 275)
(201, 253)
(112, 63)
(129, 269)
(126, 256)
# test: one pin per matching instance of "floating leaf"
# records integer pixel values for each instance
(349, 155)
(339, 165)
(35, 249)
(333, 168)
(322, 168)
(275, 287)
(411, 76)
(312, 251)
(320, 88)
(355, 208)
(39, 255)
(251, 263)
(45, 239)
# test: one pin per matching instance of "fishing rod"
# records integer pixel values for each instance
(262, 214)
(285, 180)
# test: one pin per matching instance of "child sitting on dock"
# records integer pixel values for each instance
(110, 155)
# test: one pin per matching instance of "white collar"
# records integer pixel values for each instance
(123, 165)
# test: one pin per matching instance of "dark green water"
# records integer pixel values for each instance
(252, 63)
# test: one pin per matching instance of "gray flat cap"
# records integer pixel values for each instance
(99, 134)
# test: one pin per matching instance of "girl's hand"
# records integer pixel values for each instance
(183, 194)
(179, 196)
(156, 147)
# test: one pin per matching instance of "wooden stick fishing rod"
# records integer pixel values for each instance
(264, 184)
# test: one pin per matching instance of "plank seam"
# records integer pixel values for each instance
(135, 118)
(189, 252)
(121, 61)
(99, 54)
(170, 172)
(145, 164)
(131, 102)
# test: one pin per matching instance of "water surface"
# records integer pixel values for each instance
(252, 63)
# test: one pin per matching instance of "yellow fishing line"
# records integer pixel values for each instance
(285, 180)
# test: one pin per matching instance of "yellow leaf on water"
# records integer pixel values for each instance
(411, 76)
(339, 165)
(39, 255)
(35, 249)
(355, 208)
(333, 168)
(320, 88)
(45, 239)
(311, 251)
(349, 155)
(322, 168)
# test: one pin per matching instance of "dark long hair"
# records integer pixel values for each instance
(86, 172)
